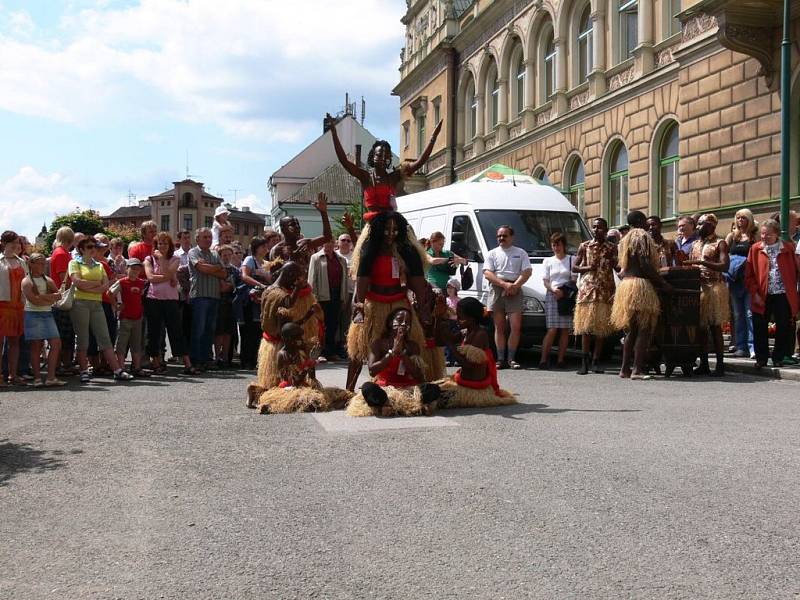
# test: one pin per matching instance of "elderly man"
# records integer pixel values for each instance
(685, 239)
(206, 276)
(507, 268)
(328, 276)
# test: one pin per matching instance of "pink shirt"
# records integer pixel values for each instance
(164, 290)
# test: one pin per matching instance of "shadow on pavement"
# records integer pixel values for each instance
(509, 411)
(23, 458)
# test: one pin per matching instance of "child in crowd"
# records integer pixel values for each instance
(225, 318)
(129, 337)
(453, 287)
(220, 220)
(40, 294)
(117, 259)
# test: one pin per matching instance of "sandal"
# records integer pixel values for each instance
(160, 369)
(140, 373)
(190, 371)
(18, 381)
(514, 365)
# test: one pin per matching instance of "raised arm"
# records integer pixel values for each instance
(409, 170)
(316, 243)
(350, 167)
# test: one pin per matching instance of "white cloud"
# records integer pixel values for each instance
(29, 198)
(248, 67)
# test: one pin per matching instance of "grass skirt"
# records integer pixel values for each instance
(405, 402)
(364, 236)
(714, 304)
(593, 318)
(302, 399)
(635, 302)
(267, 375)
(434, 366)
(298, 311)
(361, 335)
(459, 396)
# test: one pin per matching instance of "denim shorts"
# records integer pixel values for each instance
(40, 326)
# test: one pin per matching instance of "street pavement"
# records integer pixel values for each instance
(591, 487)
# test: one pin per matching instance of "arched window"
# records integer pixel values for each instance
(494, 92)
(585, 42)
(470, 111)
(627, 28)
(540, 174)
(618, 184)
(668, 159)
(520, 81)
(549, 67)
(576, 182)
(473, 114)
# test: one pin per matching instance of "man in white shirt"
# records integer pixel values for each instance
(506, 268)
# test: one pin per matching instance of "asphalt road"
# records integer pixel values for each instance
(591, 487)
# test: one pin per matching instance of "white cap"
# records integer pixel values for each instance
(221, 210)
(455, 283)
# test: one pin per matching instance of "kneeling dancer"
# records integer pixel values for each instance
(397, 370)
(636, 305)
(298, 390)
(475, 383)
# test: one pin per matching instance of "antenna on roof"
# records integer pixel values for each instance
(363, 110)
(131, 197)
(235, 195)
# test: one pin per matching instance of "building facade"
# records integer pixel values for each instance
(187, 206)
(666, 106)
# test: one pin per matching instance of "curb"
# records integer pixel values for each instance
(767, 372)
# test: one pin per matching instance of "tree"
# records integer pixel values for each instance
(88, 222)
(356, 208)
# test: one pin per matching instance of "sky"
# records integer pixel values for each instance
(100, 99)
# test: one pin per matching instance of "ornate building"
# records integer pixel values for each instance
(668, 106)
(187, 206)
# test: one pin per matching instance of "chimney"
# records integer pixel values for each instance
(245, 209)
(327, 124)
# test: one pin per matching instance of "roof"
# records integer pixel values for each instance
(246, 215)
(461, 6)
(129, 212)
(338, 184)
(170, 193)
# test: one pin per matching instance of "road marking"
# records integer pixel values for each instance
(339, 422)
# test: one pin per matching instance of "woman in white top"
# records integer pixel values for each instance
(40, 294)
(557, 272)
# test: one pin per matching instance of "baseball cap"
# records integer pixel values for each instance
(221, 210)
(133, 262)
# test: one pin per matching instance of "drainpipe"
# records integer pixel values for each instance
(452, 113)
(786, 123)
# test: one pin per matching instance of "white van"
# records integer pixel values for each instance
(469, 213)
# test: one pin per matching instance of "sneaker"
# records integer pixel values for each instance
(54, 383)
(85, 377)
(514, 365)
(37, 383)
(322, 360)
(27, 377)
(123, 376)
(790, 360)
(741, 354)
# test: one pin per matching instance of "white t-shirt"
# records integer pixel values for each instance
(558, 272)
(507, 264)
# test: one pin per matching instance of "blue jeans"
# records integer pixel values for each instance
(743, 317)
(204, 321)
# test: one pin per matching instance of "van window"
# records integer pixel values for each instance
(532, 228)
(463, 240)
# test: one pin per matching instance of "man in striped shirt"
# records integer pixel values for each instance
(206, 275)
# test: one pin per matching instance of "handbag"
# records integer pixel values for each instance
(566, 304)
(467, 278)
(67, 297)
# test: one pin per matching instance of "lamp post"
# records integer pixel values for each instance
(786, 82)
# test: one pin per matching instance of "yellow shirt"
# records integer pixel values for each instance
(93, 272)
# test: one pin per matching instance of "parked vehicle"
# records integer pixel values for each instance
(469, 213)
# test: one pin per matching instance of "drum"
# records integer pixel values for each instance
(677, 332)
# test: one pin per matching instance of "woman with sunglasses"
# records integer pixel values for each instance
(91, 282)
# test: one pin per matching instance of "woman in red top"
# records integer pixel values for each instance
(12, 304)
(396, 367)
(770, 275)
(388, 259)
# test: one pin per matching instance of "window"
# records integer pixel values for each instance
(164, 222)
(585, 45)
(420, 134)
(577, 185)
(668, 159)
(187, 222)
(549, 68)
(247, 229)
(495, 103)
(533, 228)
(618, 185)
(209, 222)
(437, 110)
(628, 28)
(188, 200)
(672, 25)
(236, 228)
(406, 134)
(520, 85)
(541, 175)
(473, 113)
(463, 240)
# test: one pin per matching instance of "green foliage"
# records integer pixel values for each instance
(88, 222)
(356, 208)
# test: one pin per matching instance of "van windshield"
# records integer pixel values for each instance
(532, 229)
